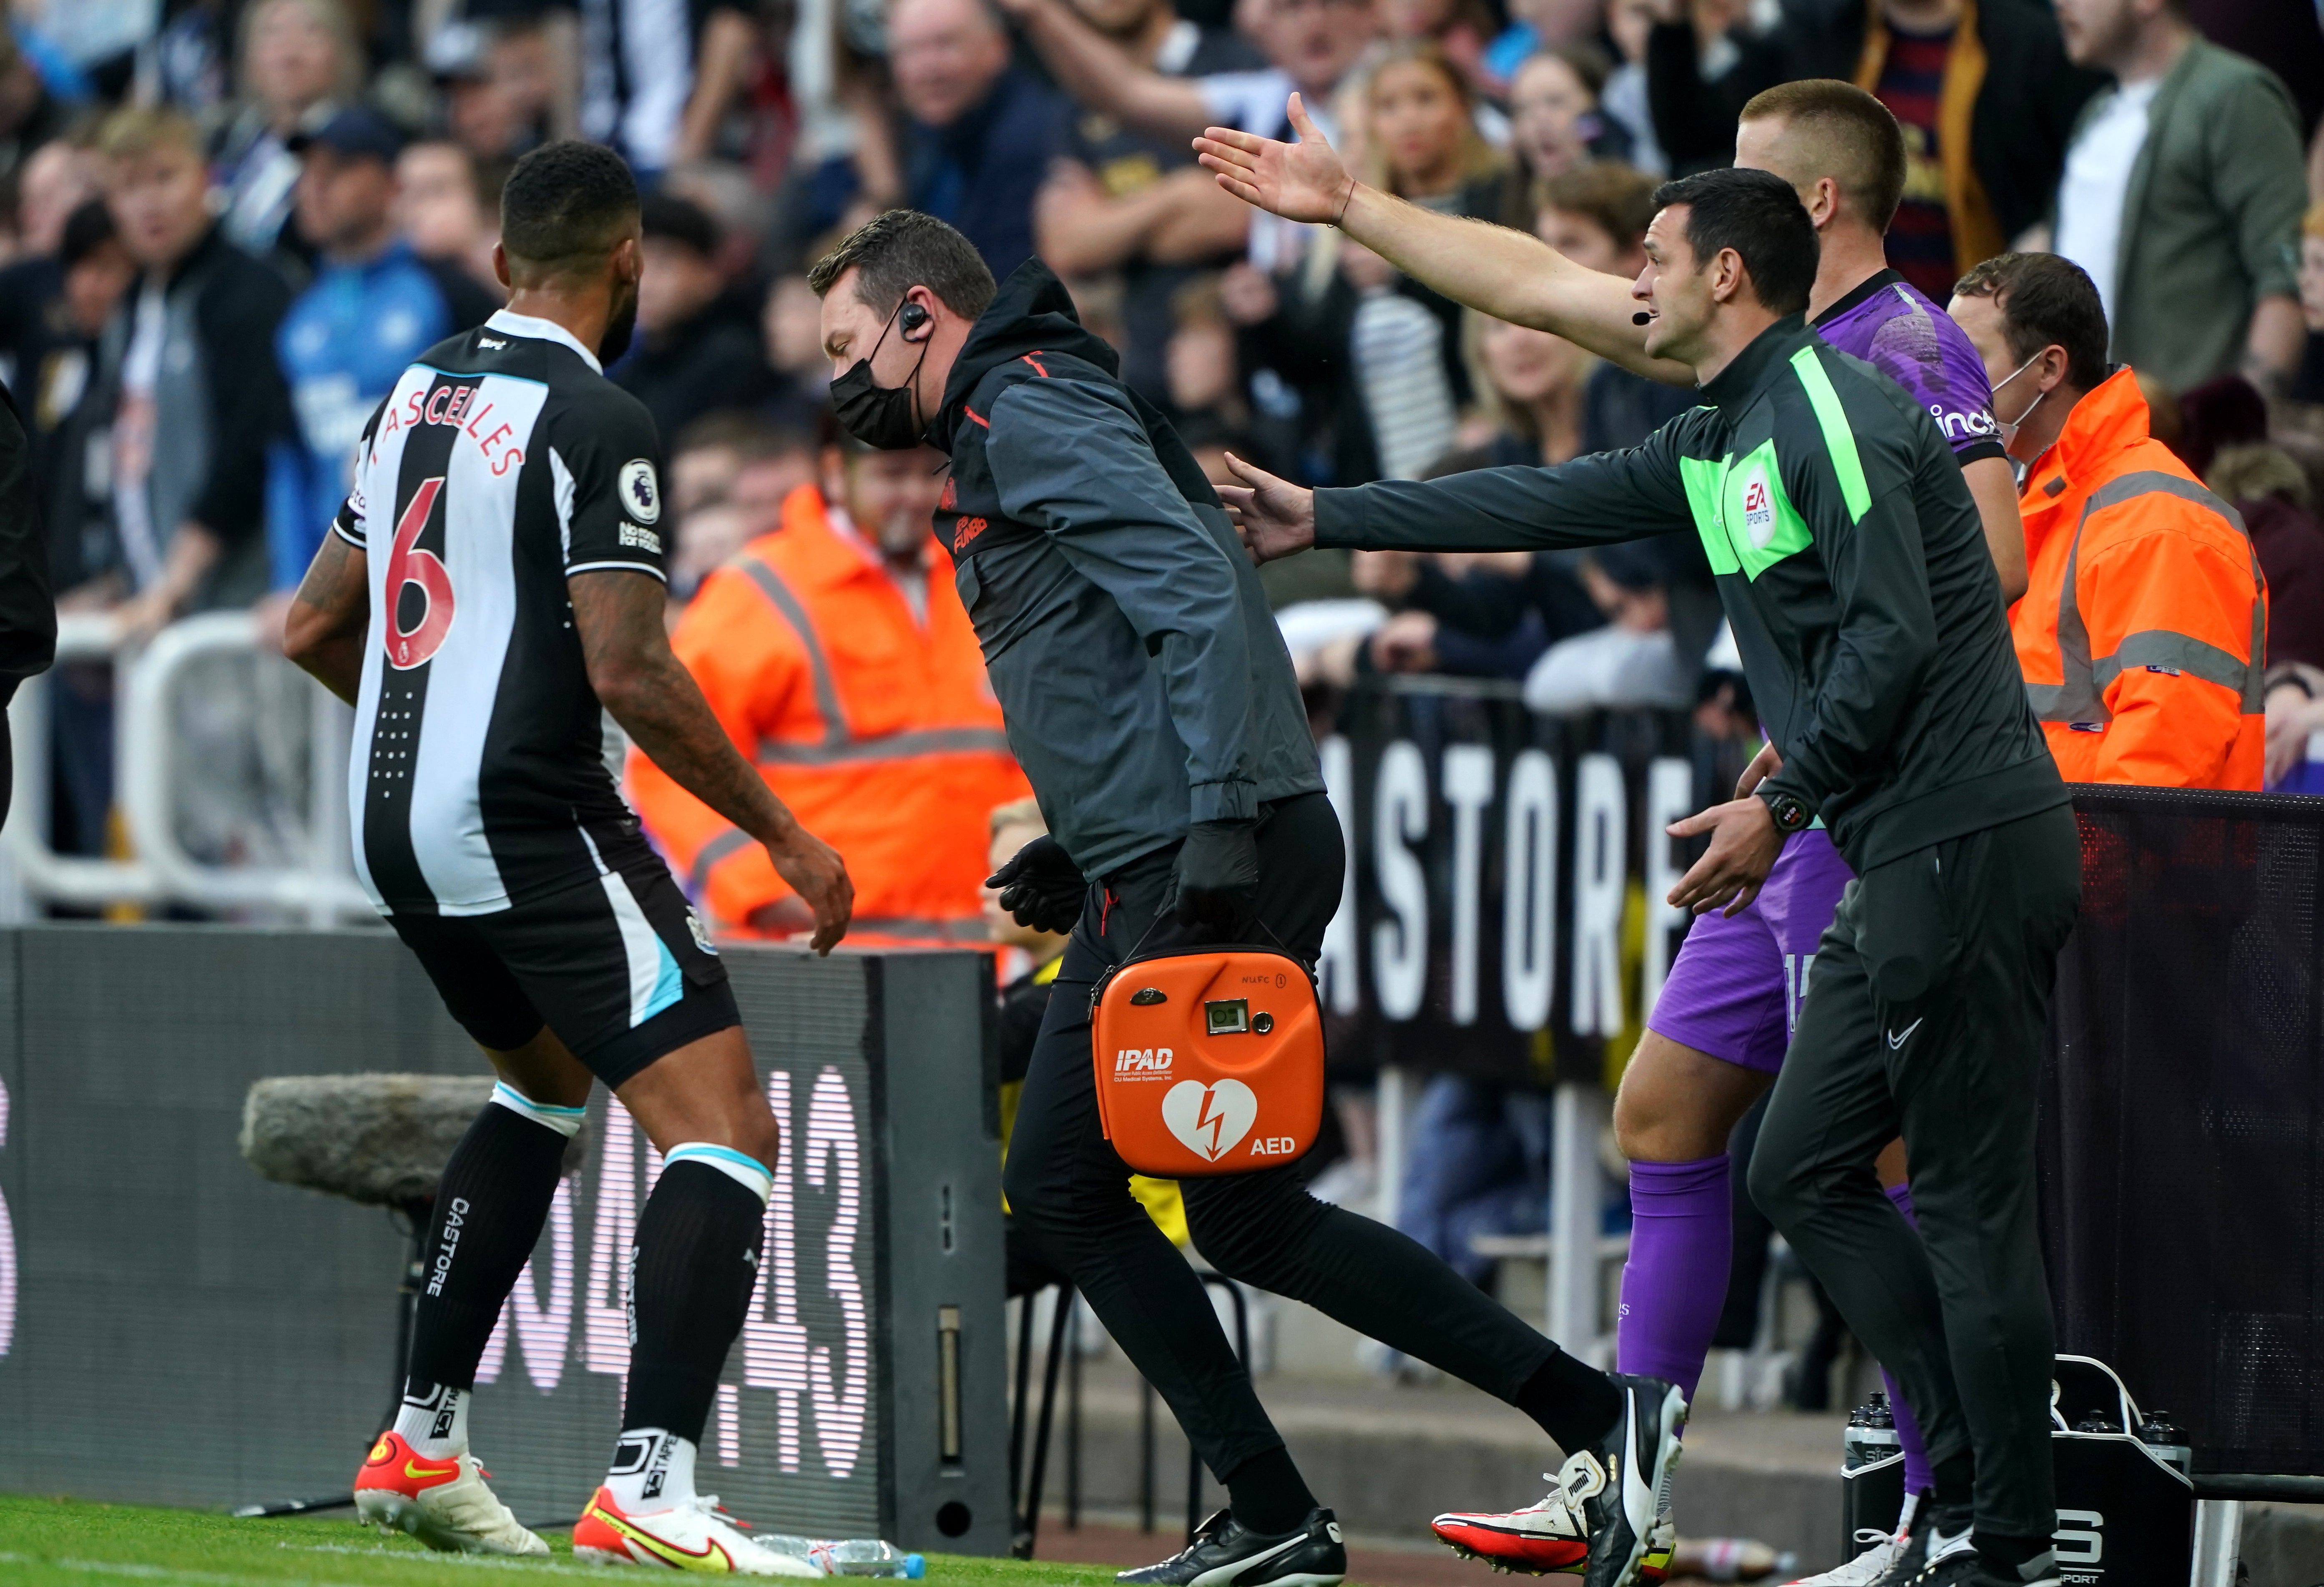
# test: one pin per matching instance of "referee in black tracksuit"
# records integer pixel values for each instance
(1854, 572)
(1148, 695)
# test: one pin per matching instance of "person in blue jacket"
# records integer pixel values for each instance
(374, 306)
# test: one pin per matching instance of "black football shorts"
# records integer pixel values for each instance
(618, 966)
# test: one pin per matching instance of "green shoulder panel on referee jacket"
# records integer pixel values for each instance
(1838, 441)
(1742, 511)
(1853, 564)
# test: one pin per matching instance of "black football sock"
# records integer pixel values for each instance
(692, 1271)
(2016, 1559)
(490, 1205)
(1570, 1401)
(1954, 1496)
(1268, 1494)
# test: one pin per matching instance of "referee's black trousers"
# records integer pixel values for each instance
(1925, 1018)
(1070, 1192)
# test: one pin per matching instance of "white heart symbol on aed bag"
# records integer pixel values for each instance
(1210, 1120)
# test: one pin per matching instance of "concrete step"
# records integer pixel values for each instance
(2283, 1544)
(1388, 1456)
(1115, 1540)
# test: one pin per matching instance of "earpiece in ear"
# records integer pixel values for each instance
(912, 318)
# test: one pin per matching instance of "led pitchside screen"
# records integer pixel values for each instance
(158, 1298)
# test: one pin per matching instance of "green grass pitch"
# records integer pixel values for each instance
(64, 1543)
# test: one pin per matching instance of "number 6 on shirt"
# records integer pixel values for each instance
(408, 565)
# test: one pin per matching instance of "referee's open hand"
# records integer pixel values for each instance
(1304, 182)
(1744, 844)
(819, 876)
(1274, 516)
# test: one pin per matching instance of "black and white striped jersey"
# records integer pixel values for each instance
(502, 463)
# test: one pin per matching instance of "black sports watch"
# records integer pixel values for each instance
(1790, 813)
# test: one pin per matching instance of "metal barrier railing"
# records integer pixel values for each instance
(1575, 1253)
(320, 891)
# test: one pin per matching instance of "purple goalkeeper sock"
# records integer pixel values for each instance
(1675, 1285)
(1918, 1476)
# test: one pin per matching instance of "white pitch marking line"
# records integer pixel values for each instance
(473, 1561)
(105, 1567)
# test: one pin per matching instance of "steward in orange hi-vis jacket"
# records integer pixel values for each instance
(837, 656)
(2143, 629)
(2143, 632)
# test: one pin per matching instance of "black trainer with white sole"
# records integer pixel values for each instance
(1953, 1560)
(1227, 1554)
(1915, 1553)
(1619, 1483)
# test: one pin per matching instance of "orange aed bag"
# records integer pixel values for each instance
(1209, 1062)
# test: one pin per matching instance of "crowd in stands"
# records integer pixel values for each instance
(228, 223)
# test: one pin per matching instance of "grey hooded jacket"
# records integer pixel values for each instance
(1141, 676)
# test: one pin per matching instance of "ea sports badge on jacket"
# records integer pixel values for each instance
(1209, 1062)
(1759, 510)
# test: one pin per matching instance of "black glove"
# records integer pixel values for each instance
(1040, 886)
(1218, 875)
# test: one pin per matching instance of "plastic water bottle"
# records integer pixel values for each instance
(1871, 1434)
(869, 1557)
(2168, 1439)
(1732, 1559)
(847, 1556)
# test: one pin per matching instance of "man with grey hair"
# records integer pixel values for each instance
(978, 132)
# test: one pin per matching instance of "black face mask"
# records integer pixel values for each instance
(885, 417)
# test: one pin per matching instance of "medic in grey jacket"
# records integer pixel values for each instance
(1852, 565)
(1144, 682)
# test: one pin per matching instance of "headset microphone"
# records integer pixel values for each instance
(1642, 318)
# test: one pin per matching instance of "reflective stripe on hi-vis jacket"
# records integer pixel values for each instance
(2081, 697)
(2144, 630)
(873, 722)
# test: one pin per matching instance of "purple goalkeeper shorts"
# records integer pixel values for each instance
(1735, 990)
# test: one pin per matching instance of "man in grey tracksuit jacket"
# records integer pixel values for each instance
(1150, 699)
(1145, 683)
